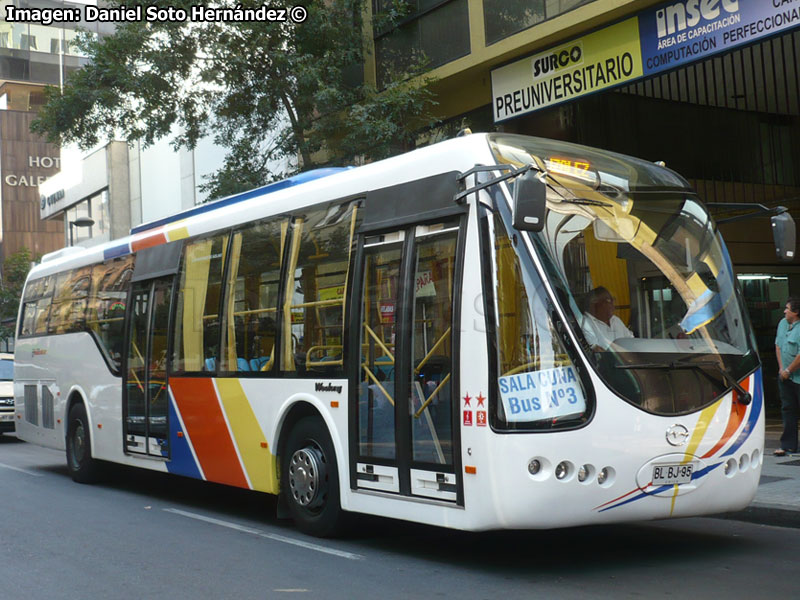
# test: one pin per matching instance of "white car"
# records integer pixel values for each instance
(6, 392)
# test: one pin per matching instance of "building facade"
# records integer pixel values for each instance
(32, 56)
(25, 162)
(712, 88)
(120, 185)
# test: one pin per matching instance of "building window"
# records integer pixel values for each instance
(503, 18)
(435, 32)
(54, 46)
(28, 42)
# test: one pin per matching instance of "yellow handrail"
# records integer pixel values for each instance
(432, 350)
(378, 383)
(327, 347)
(318, 303)
(380, 343)
(430, 398)
(254, 311)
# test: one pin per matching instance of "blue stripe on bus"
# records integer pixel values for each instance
(644, 494)
(115, 251)
(182, 461)
(263, 190)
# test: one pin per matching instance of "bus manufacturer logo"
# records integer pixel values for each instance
(322, 387)
(677, 435)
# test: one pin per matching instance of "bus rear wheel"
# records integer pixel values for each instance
(82, 467)
(310, 480)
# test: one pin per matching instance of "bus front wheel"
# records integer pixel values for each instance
(82, 467)
(310, 480)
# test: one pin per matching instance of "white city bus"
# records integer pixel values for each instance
(409, 339)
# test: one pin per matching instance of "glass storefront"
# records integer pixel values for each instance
(765, 295)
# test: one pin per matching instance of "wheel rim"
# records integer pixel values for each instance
(78, 445)
(307, 477)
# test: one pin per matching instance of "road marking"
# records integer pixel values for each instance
(31, 473)
(264, 534)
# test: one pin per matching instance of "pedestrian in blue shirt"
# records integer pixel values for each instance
(787, 349)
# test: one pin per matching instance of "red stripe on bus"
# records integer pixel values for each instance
(208, 432)
(738, 412)
(148, 240)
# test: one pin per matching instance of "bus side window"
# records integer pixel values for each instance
(197, 319)
(313, 310)
(105, 314)
(42, 311)
(251, 306)
(70, 298)
(33, 291)
(28, 316)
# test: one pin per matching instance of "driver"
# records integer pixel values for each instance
(600, 325)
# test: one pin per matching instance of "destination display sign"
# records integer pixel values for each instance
(545, 394)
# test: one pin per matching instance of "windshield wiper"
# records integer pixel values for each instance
(514, 172)
(581, 201)
(744, 396)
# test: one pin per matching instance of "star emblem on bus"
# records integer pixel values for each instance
(467, 398)
(480, 398)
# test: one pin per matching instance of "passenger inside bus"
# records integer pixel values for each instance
(600, 325)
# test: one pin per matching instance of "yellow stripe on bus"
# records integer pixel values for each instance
(177, 233)
(700, 429)
(259, 463)
(698, 434)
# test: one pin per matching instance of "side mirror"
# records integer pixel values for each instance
(783, 230)
(530, 202)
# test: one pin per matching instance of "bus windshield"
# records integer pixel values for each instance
(639, 265)
(6, 369)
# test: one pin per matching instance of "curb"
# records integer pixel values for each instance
(765, 514)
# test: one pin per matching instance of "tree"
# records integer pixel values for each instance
(15, 270)
(264, 90)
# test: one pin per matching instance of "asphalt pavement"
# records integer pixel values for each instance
(777, 501)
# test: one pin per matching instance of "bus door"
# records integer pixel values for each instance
(146, 398)
(407, 435)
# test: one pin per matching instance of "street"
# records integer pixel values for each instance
(147, 535)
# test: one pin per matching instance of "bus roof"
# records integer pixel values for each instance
(307, 189)
(259, 191)
(325, 185)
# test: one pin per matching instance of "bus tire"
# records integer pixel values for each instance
(310, 479)
(82, 467)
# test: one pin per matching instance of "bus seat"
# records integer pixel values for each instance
(257, 363)
(211, 364)
(242, 364)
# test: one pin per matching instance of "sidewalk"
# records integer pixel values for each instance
(777, 501)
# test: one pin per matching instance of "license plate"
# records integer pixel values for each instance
(674, 474)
